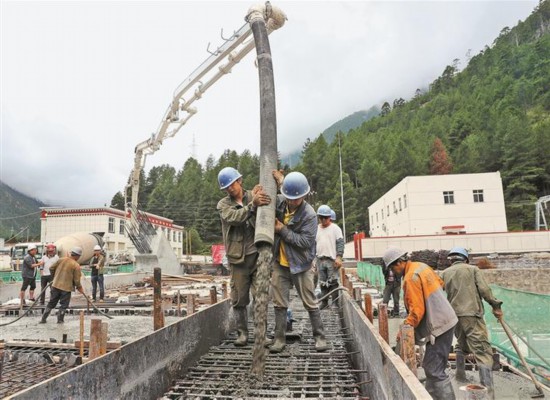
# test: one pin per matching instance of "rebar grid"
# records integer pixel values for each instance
(298, 372)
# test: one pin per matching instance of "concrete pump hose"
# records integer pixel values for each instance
(273, 17)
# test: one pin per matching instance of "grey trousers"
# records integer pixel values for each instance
(281, 280)
(243, 280)
(436, 356)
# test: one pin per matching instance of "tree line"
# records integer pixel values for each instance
(494, 115)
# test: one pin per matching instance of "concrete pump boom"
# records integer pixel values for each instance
(180, 110)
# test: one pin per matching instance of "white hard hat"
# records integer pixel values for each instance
(393, 254)
(97, 247)
(76, 251)
(31, 247)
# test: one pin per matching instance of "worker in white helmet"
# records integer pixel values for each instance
(97, 263)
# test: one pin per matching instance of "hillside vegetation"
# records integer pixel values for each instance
(491, 116)
(19, 215)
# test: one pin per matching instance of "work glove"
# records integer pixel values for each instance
(279, 177)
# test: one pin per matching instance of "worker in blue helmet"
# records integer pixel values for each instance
(238, 215)
(329, 253)
(294, 252)
(466, 287)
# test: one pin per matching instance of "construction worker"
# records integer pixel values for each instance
(330, 249)
(237, 213)
(66, 276)
(48, 259)
(392, 289)
(431, 316)
(466, 287)
(28, 273)
(97, 263)
(294, 252)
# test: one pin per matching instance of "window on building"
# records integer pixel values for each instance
(376, 217)
(179, 237)
(400, 209)
(394, 208)
(404, 201)
(388, 207)
(174, 236)
(121, 227)
(449, 197)
(382, 213)
(478, 196)
(111, 225)
(372, 219)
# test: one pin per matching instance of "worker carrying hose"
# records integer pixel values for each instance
(294, 252)
(431, 316)
(238, 214)
(466, 287)
(66, 276)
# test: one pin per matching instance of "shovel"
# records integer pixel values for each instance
(509, 334)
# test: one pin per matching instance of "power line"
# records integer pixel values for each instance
(20, 216)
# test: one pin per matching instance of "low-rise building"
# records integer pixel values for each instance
(59, 222)
(439, 205)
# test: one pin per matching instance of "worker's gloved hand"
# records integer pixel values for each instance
(279, 177)
(257, 188)
(497, 310)
(260, 198)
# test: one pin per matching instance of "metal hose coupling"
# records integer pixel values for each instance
(273, 17)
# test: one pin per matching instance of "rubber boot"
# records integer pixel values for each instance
(318, 330)
(45, 315)
(60, 316)
(324, 292)
(334, 296)
(280, 331)
(440, 390)
(486, 379)
(242, 326)
(460, 366)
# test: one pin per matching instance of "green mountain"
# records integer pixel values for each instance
(492, 116)
(19, 214)
(344, 125)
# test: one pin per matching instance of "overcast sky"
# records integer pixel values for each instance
(83, 82)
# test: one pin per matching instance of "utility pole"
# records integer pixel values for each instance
(342, 189)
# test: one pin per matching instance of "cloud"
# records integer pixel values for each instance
(84, 82)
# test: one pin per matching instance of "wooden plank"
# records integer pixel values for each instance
(112, 345)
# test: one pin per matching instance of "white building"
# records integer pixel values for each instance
(59, 222)
(440, 204)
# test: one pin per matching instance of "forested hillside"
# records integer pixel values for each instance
(494, 115)
(19, 215)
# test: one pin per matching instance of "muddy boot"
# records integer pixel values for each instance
(334, 296)
(486, 379)
(45, 315)
(280, 331)
(460, 366)
(242, 327)
(60, 316)
(324, 302)
(440, 390)
(318, 330)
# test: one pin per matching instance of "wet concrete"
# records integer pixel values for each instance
(121, 328)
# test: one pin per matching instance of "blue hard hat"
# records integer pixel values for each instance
(332, 215)
(324, 211)
(460, 251)
(295, 186)
(227, 176)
